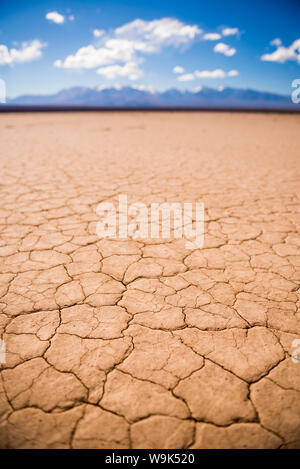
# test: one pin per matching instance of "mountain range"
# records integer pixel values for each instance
(134, 97)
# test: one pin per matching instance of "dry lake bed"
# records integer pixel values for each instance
(141, 342)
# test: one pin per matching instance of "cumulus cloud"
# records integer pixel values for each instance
(212, 36)
(224, 49)
(98, 32)
(28, 51)
(127, 42)
(283, 54)
(233, 73)
(114, 50)
(186, 77)
(55, 17)
(276, 42)
(230, 31)
(218, 73)
(198, 89)
(148, 88)
(211, 74)
(178, 69)
(130, 70)
(118, 87)
(165, 31)
(115, 86)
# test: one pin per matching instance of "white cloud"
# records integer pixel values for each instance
(224, 49)
(211, 74)
(137, 37)
(233, 73)
(115, 86)
(276, 42)
(230, 31)
(29, 51)
(283, 54)
(198, 89)
(186, 77)
(5, 57)
(221, 88)
(114, 50)
(212, 36)
(118, 87)
(218, 73)
(178, 69)
(58, 63)
(148, 88)
(71, 18)
(165, 31)
(55, 17)
(98, 32)
(130, 70)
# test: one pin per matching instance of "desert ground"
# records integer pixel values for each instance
(143, 343)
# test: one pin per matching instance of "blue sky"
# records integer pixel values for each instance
(46, 46)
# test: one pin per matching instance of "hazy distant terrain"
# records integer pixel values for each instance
(132, 97)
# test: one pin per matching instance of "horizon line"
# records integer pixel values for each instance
(4, 108)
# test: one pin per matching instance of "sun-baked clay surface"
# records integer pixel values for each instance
(144, 343)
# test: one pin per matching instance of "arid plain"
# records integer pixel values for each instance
(143, 343)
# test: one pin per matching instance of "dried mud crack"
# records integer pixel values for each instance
(143, 343)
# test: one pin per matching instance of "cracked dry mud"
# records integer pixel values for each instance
(142, 343)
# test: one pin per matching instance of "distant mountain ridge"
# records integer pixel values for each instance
(134, 97)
